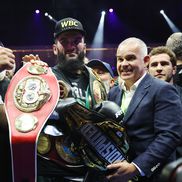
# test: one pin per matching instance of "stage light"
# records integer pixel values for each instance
(98, 39)
(37, 11)
(172, 26)
(103, 12)
(161, 11)
(50, 17)
(110, 10)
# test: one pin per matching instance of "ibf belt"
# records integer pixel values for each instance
(30, 99)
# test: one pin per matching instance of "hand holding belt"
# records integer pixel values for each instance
(100, 140)
(30, 99)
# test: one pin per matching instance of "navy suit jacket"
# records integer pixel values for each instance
(153, 123)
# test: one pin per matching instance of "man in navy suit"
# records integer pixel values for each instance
(152, 116)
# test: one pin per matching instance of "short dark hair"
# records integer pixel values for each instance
(166, 50)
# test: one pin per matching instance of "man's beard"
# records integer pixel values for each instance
(70, 65)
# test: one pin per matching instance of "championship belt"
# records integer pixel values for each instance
(30, 99)
(99, 141)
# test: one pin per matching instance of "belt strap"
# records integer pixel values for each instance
(30, 99)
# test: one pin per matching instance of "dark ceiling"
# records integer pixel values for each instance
(141, 18)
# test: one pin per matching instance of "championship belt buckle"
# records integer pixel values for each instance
(29, 103)
(101, 141)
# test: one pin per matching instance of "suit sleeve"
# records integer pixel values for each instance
(167, 130)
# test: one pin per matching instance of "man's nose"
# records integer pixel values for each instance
(124, 63)
(70, 45)
(159, 67)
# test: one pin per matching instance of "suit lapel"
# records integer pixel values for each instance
(119, 98)
(140, 93)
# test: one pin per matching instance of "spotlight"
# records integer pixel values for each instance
(172, 26)
(162, 11)
(50, 17)
(37, 11)
(110, 10)
(103, 12)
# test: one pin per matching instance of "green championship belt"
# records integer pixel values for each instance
(99, 140)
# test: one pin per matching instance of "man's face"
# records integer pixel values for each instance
(70, 49)
(161, 67)
(130, 63)
(104, 76)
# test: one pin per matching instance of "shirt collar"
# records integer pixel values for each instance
(134, 86)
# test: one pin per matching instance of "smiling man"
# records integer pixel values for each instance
(149, 105)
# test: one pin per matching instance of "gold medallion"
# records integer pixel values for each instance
(65, 149)
(44, 144)
(31, 93)
(25, 123)
(64, 89)
(38, 67)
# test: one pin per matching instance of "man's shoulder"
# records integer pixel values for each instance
(156, 82)
(114, 93)
(116, 88)
(178, 87)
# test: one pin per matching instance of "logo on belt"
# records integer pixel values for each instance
(101, 144)
(31, 93)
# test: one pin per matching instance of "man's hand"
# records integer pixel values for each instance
(7, 59)
(121, 171)
(30, 57)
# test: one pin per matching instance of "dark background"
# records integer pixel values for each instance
(20, 26)
(26, 32)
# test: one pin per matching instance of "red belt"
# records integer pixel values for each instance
(27, 114)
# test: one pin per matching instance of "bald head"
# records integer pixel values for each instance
(136, 43)
(131, 55)
(174, 42)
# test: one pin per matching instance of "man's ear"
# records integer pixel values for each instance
(55, 49)
(85, 47)
(112, 82)
(174, 70)
(146, 61)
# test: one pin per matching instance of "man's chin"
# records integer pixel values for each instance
(126, 76)
(161, 77)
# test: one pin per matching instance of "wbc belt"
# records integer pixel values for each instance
(31, 97)
(99, 141)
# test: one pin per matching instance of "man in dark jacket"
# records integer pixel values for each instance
(162, 65)
(152, 115)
